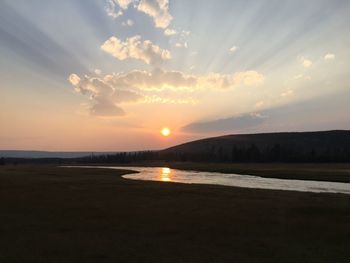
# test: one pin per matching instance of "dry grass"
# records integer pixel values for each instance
(51, 214)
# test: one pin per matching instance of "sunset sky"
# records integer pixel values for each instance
(108, 75)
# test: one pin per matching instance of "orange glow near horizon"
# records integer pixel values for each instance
(165, 132)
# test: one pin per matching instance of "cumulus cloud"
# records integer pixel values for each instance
(74, 79)
(170, 32)
(156, 80)
(307, 63)
(185, 33)
(149, 87)
(124, 3)
(135, 48)
(329, 56)
(182, 39)
(177, 80)
(233, 49)
(158, 10)
(103, 95)
(98, 71)
(111, 9)
(235, 123)
(115, 8)
(181, 45)
(128, 22)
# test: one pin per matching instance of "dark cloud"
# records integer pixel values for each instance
(106, 107)
(226, 124)
(314, 114)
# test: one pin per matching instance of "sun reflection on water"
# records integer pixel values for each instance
(165, 174)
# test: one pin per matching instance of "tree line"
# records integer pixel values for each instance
(252, 153)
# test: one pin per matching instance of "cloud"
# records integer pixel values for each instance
(177, 80)
(170, 32)
(181, 45)
(111, 9)
(247, 78)
(128, 22)
(288, 93)
(167, 100)
(105, 107)
(302, 77)
(124, 3)
(296, 116)
(307, 63)
(231, 124)
(156, 80)
(182, 39)
(135, 48)
(98, 71)
(329, 56)
(159, 86)
(158, 10)
(103, 95)
(185, 33)
(233, 49)
(74, 79)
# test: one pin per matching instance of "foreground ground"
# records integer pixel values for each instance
(50, 214)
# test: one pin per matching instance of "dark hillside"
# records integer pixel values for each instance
(289, 146)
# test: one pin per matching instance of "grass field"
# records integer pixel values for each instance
(52, 214)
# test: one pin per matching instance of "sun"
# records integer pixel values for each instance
(165, 132)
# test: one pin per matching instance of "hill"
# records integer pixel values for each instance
(285, 146)
(45, 154)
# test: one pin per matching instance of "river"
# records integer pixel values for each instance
(167, 175)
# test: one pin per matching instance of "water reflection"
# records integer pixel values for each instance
(165, 174)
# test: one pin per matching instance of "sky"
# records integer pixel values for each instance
(108, 75)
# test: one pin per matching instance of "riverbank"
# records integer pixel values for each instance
(51, 214)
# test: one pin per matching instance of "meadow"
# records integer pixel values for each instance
(56, 214)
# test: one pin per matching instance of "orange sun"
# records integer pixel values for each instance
(165, 132)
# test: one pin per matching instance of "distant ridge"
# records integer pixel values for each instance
(317, 146)
(47, 154)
